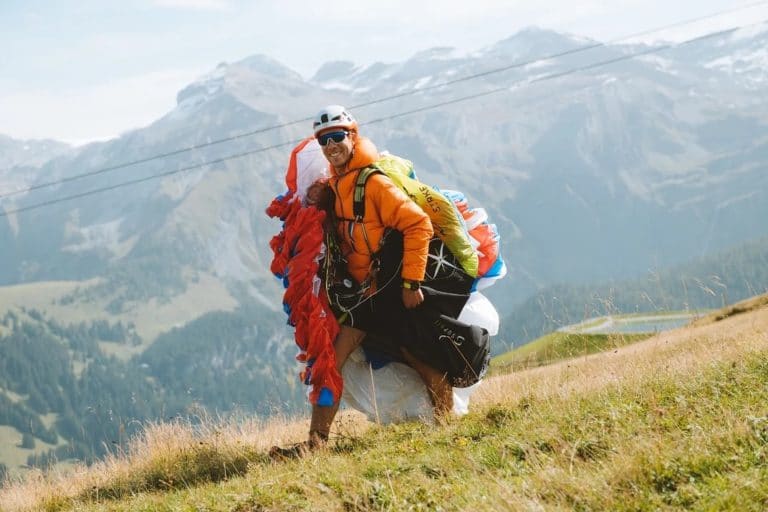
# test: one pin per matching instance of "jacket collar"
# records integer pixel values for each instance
(364, 154)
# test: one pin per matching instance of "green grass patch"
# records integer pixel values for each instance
(557, 346)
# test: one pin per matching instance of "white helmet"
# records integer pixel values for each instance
(333, 116)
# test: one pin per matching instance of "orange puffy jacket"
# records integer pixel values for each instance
(385, 206)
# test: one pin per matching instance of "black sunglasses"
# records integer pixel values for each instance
(334, 136)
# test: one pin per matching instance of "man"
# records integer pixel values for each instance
(378, 319)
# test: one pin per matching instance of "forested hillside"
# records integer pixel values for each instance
(61, 389)
(706, 283)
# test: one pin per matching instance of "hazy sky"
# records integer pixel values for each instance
(82, 70)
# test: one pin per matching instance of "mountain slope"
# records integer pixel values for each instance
(582, 160)
(702, 283)
(599, 173)
(27, 153)
(664, 423)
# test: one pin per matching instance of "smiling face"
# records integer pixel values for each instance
(337, 153)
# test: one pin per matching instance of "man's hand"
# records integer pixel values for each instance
(412, 298)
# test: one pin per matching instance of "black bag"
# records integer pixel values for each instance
(465, 351)
(460, 350)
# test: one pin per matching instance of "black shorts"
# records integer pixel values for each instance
(388, 325)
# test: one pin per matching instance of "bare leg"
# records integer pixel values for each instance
(346, 342)
(440, 390)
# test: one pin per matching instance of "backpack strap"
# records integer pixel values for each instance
(358, 199)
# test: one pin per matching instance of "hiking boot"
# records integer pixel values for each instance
(317, 440)
(294, 451)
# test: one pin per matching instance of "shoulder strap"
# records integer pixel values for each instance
(358, 199)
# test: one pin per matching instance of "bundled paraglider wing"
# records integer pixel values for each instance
(299, 248)
(297, 251)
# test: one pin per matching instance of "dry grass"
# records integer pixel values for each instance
(164, 456)
(673, 352)
(182, 456)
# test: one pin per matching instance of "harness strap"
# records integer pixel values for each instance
(358, 202)
(358, 199)
(335, 258)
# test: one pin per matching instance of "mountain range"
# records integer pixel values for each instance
(594, 164)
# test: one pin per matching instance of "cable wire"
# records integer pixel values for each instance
(447, 83)
(149, 178)
(552, 76)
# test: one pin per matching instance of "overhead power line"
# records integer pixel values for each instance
(149, 178)
(552, 76)
(559, 74)
(403, 94)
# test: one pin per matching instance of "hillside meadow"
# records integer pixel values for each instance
(678, 421)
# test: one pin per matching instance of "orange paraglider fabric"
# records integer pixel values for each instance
(486, 236)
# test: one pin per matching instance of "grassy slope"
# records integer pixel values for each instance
(557, 346)
(560, 345)
(679, 421)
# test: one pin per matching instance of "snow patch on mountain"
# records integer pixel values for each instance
(199, 92)
(267, 300)
(660, 63)
(331, 71)
(211, 83)
(215, 76)
(544, 63)
(252, 77)
(753, 60)
(439, 53)
(635, 185)
(418, 84)
(97, 236)
(534, 41)
(12, 183)
(421, 82)
(737, 199)
(751, 32)
(31, 153)
(343, 86)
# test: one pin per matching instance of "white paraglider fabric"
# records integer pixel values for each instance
(391, 394)
(480, 311)
(395, 392)
(311, 166)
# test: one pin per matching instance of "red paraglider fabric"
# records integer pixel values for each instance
(297, 251)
